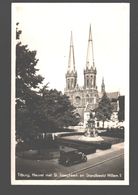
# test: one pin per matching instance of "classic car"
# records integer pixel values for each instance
(70, 156)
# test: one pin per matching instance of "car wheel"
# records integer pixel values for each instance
(67, 162)
(84, 159)
(59, 161)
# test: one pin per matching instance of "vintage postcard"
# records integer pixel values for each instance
(70, 94)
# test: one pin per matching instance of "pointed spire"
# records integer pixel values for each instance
(71, 61)
(103, 86)
(90, 34)
(71, 39)
(90, 53)
(102, 80)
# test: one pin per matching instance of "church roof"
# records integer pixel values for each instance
(111, 95)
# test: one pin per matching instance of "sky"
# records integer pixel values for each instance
(46, 28)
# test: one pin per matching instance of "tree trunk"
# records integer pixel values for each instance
(103, 124)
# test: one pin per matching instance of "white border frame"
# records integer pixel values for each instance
(61, 182)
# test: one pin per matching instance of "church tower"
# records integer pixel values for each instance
(71, 75)
(84, 98)
(102, 86)
(90, 71)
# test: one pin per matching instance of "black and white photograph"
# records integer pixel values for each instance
(70, 93)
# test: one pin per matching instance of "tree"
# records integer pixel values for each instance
(55, 111)
(26, 78)
(37, 108)
(27, 82)
(105, 109)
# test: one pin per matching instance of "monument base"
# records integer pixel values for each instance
(85, 138)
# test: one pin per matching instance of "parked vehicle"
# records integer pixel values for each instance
(70, 156)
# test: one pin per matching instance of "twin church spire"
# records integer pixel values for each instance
(90, 53)
(90, 70)
(71, 62)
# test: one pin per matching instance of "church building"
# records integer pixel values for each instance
(87, 97)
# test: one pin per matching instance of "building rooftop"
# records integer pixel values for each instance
(111, 95)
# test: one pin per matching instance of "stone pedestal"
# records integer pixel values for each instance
(91, 133)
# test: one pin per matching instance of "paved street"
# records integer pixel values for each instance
(107, 170)
(106, 164)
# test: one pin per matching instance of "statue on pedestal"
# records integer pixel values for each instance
(90, 126)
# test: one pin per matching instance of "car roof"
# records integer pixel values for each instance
(67, 149)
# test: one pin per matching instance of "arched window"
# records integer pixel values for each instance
(77, 115)
(94, 80)
(71, 83)
(92, 100)
(78, 99)
(87, 98)
(91, 81)
(68, 84)
(87, 81)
